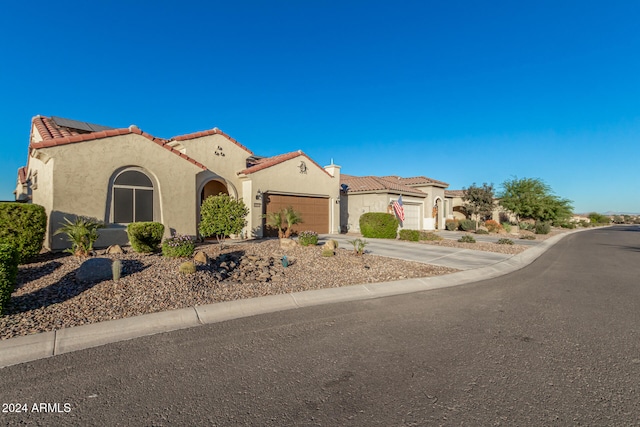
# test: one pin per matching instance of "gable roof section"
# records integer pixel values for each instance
(214, 131)
(268, 162)
(454, 193)
(22, 175)
(415, 180)
(54, 135)
(369, 184)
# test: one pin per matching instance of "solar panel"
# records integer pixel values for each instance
(78, 125)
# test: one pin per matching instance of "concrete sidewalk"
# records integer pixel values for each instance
(475, 266)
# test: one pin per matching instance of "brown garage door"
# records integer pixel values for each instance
(313, 210)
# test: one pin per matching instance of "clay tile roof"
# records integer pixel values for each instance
(267, 162)
(415, 180)
(22, 175)
(364, 184)
(214, 131)
(54, 135)
(454, 193)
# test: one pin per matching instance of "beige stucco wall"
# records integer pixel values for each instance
(82, 174)
(225, 167)
(285, 178)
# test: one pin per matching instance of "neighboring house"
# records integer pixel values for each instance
(425, 206)
(124, 175)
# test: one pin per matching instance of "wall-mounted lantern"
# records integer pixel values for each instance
(259, 195)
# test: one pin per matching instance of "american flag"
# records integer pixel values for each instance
(398, 209)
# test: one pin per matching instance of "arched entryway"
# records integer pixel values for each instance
(437, 213)
(213, 188)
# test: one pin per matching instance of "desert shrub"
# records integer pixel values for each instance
(187, 267)
(528, 226)
(493, 226)
(543, 227)
(467, 225)
(327, 252)
(429, 236)
(145, 236)
(23, 225)
(358, 245)
(481, 231)
(467, 239)
(506, 226)
(178, 246)
(82, 233)
(505, 242)
(451, 224)
(9, 259)
(528, 237)
(378, 225)
(411, 235)
(569, 225)
(308, 238)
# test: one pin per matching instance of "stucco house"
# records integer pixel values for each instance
(122, 175)
(424, 202)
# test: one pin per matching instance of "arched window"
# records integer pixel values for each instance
(132, 197)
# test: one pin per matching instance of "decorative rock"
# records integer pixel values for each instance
(201, 257)
(114, 249)
(94, 270)
(330, 245)
(288, 243)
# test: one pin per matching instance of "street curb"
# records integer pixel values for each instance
(47, 344)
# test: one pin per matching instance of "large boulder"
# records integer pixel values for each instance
(288, 244)
(94, 270)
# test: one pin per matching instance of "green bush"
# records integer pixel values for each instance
(481, 231)
(451, 224)
(9, 259)
(178, 246)
(145, 236)
(467, 225)
(506, 226)
(82, 233)
(429, 236)
(569, 225)
(411, 235)
(23, 225)
(505, 242)
(543, 228)
(222, 216)
(467, 239)
(308, 238)
(378, 225)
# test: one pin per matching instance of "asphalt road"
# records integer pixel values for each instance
(556, 343)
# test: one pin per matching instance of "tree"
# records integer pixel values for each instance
(222, 216)
(597, 218)
(478, 201)
(532, 198)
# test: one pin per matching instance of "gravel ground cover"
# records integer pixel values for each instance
(48, 297)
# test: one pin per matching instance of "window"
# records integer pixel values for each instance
(132, 197)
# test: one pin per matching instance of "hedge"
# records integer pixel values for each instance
(378, 225)
(145, 236)
(23, 225)
(9, 258)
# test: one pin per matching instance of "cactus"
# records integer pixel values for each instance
(187, 267)
(116, 269)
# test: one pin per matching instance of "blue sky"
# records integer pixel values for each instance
(459, 91)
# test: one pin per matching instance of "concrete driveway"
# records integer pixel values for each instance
(461, 259)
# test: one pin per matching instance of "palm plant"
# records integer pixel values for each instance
(292, 218)
(274, 219)
(82, 233)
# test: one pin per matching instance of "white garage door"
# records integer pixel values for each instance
(411, 217)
